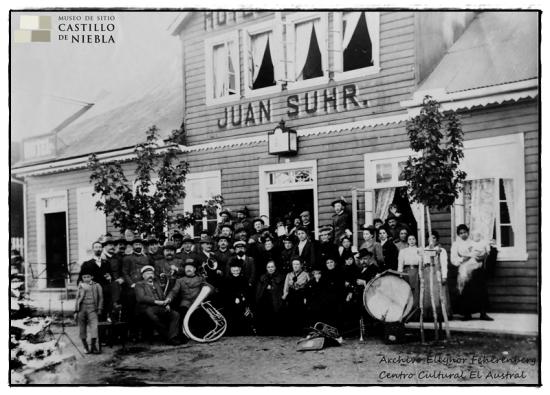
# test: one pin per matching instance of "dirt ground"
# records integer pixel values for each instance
(466, 359)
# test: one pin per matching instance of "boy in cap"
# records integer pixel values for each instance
(153, 305)
(88, 306)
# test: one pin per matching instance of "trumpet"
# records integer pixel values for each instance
(218, 319)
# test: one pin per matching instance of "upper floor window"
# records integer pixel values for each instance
(307, 54)
(264, 57)
(222, 69)
(356, 42)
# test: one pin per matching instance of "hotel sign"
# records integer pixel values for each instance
(327, 100)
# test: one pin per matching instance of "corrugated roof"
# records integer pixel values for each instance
(497, 48)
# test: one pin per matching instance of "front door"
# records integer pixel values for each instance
(56, 249)
(289, 204)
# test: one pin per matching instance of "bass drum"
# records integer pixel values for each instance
(388, 297)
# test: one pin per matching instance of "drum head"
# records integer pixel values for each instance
(388, 298)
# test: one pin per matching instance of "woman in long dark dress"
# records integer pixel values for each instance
(237, 301)
(294, 296)
(334, 293)
(267, 251)
(269, 300)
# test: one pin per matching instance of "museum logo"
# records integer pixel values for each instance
(33, 29)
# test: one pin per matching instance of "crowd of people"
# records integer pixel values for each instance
(265, 280)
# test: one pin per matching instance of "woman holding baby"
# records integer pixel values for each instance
(468, 255)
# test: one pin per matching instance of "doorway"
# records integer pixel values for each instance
(289, 204)
(56, 249)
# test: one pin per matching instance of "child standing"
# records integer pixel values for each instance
(89, 305)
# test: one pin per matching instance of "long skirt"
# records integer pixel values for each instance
(474, 298)
(295, 313)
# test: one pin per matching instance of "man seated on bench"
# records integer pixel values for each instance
(154, 307)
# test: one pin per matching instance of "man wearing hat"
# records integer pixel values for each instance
(207, 260)
(169, 268)
(341, 219)
(305, 216)
(177, 238)
(287, 253)
(153, 248)
(246, 262)
(131, 273)
(223, 253)
(225, 219)
(242, 221)
(226, 230)
(185, 251)
(152, 304)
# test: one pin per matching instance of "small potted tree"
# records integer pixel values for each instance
(434, 180)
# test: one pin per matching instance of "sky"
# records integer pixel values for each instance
(51, 81)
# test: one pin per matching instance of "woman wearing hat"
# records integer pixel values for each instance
(267, 251)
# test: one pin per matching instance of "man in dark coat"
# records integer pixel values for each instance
(247, 264)
(169, 268)
(153, 248)
(223, 254)
(305, 249)
(242, 221)
(187, 289)
(185, 251)
(131, 273)
(305, 216)
(152, 304)
(341, 220)
(208, 265)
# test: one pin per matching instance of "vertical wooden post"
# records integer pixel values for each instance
(442, 297)
(432, 297)
(354, 215)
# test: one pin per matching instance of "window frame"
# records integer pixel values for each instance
(338, 32)
(188, 202)
(209, 71)
(290, 24)
(277, 55)
(516, 253)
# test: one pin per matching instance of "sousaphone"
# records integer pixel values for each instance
(219, 321)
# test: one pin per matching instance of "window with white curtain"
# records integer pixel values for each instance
(222, 68)
(489, 209)
(307, 48)
(264, 62)
(356, 43)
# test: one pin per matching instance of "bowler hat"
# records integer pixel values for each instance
(107, 240)
(363, 252)
(170, 245)
(258, 220)
(223, 237)
(304, 213)
(187, 239)
(340, 200)
(176, 234)
(225, 212)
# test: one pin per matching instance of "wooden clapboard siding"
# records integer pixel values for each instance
(68, 181)
(384, 91)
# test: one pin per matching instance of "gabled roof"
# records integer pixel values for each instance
(113, 125)
(495, 60)
(497, 48)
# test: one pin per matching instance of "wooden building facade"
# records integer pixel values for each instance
(346, 82)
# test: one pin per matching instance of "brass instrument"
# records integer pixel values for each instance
(210, 265)
(218, 319)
